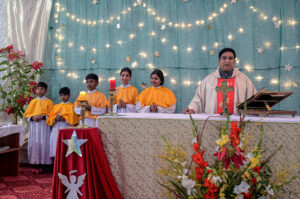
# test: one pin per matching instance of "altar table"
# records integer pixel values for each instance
(81, 167)
(133, 141)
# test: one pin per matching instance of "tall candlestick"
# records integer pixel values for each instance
(112, 84)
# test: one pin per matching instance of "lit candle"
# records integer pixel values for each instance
(82, 96)
(112, 84)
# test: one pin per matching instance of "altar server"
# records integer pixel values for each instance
(157, 98)
(96, 100)
(62, 116)
(39, 132)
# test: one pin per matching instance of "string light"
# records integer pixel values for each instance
(158, 18)
(173, 81)
(259, 78)
(274, 81)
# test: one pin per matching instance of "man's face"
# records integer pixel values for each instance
(64, 98)
(227, 61)
(91, 84)
(41, 91)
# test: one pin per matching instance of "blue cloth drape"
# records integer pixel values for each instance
(189, 52)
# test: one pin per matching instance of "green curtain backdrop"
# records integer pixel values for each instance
(182, 37)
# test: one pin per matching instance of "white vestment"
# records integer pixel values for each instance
(54, 135)
(205, 99)
(39, 143)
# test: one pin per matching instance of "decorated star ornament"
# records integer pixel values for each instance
(74, 144)
(163, 27)
(95, 2)
(260, 50)
(185, 0)
(233, 1)
(118, 26)
(93, 61)
(212, 52)
(288, 67)
(156, 53)
(277, 24)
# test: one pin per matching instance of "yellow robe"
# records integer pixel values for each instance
(127, 94)
(95, 99)
(39, 107)
(160, 96)
(65, 110)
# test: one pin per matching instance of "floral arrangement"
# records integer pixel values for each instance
(233, 175)
(19, 80)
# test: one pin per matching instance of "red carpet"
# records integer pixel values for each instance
(26, 185)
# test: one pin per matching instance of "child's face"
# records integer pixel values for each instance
(91, 84)
(64, 98)
(125, 77)
(41, 91)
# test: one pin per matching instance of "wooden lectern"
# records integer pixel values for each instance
(262, 101)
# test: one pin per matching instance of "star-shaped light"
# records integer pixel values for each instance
(185, 0)
(277, 24)
(163, 27)
(212, 52)
(93, 61)
(74, 144)
(95, 2)
(260, 50)
(156, 53)
(233, 1)
(288, 67)
(118, 26)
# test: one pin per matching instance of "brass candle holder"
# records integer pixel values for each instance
(83, 104)
(111, 102)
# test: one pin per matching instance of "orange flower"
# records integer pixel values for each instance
(199, 172)
(198, 159)
(196, 147)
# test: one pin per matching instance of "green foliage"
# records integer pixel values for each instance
(18, 82)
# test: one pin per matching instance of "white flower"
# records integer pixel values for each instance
(240, 197)
(185, 171)
(217, 148)
(216, 179)
(176, 160)
(242, 188)
(262, 197)
(188, 184)
(194, 141)
(248, 157)
(183, 164)
(270, 190)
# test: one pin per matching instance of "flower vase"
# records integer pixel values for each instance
(14, 119)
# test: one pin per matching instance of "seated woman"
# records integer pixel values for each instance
(125, 100)
(157, 98)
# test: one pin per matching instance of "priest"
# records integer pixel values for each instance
(209, 100)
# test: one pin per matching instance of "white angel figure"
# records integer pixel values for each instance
(72, 186)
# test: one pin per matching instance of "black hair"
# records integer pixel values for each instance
(224, 50)
(42, 84)
(92, 76)
(126, 69)
(160, 74)
(64, 91)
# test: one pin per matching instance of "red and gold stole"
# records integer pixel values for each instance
(230, 96)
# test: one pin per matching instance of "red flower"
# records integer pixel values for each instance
(196, 147)
(8, 49)
(257, 169)
(37, 65)
(15, 55)
(28, 99)
(254, 181)
(32, 87)
(199, 172)
(247, 195)
(21, 100)
(212, 189)
(235, 128)
(198, 159)
(209, 171)
(8, 110)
